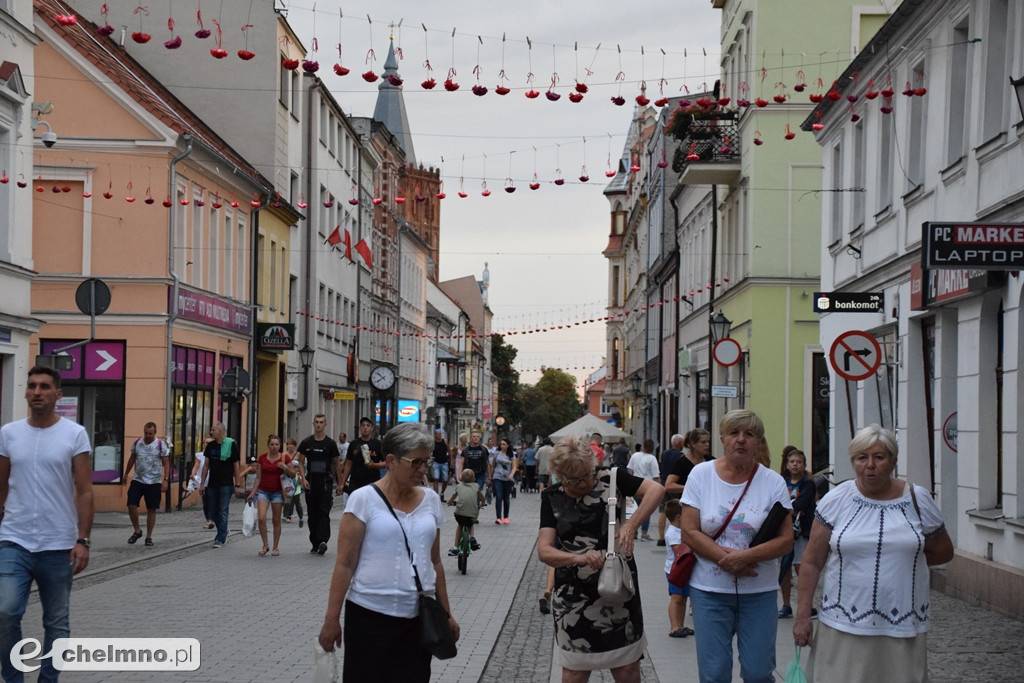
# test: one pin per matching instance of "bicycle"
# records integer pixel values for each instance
(465, 541)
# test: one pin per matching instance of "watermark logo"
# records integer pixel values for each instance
(109, 654)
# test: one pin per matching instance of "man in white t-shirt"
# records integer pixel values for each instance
(644, 464)
(150, 458)
(45, 518)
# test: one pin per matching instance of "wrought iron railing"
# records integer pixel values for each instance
(708, 141)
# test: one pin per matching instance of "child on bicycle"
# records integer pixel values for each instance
(467, 500)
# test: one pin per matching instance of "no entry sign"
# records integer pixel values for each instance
(727, 352)
(855, 355)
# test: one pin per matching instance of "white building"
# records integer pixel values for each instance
(950, 381)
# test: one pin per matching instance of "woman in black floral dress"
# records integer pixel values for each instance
(591, 632)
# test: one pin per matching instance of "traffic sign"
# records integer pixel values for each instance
(855, 355)
(727, 352)
(724, 391)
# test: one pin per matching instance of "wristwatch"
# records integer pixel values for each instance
(84, 541)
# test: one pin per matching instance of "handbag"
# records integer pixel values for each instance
(686, 559)
(436, 635)
(770, 527)
(615, 583)
(248, 520)
(287, 486)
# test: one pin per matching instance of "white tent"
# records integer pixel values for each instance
(589, 424)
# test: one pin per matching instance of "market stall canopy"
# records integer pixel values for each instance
(589, 424)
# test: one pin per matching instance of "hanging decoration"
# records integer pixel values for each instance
(642, 99)
(202, 33)
(370, 75)
(662, 82)
(449, 83)
(175, 42)
(551, 94)
(530, 92)
(609, 172)
(584, 177)
(338, 68)
(429, 82)
(510, 185)
(619, 100)
(483, 183)
(462, 179)
(140, 36)
(310, 65)
(479, 89)
(559, 180)
(501, 88)
(218, 52)
(534, 184)
(287, 62)
(106, 29)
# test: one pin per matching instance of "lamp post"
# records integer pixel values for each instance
(1018, 87)
(306, 361)
(718, 328)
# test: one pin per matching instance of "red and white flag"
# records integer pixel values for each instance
(348, 244)
(334, 239)
(364, 250)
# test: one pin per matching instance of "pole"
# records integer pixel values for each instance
(711, 303)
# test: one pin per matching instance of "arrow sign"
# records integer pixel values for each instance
(104, 360)
(108, 360)
(855, 355)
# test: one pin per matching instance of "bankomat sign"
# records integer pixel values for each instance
(974, 246)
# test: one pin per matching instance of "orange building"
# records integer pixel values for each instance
(140, 194)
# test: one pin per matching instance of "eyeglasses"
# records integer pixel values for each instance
(579, 480)
(418, 462)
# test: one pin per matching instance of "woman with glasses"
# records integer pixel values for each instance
(501, 474)
(592, 633)
(372, 578)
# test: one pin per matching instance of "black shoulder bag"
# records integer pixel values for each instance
(436, 635)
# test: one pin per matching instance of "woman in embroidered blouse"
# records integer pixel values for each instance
(734, 588)
(874, 536)
(591, 633)
(372, 577)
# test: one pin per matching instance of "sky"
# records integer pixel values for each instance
(542, 247)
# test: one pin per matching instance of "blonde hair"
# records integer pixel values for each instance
(741, 419)
(572, 453)
(468, 476)
(872, 434)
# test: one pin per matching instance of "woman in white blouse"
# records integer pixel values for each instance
(875, 537)
(372, 577)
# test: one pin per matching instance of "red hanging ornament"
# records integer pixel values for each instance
(801, 81)
(218, 52)
(510, 185)
(149, 196)
(255, 201)
(217, 203)
(168, 203)
(757, 141)
(575, 97)
(66, 19)
(106, 29)
(203, 32)
(789, 134)
(3, 178)
(871, 93)
(139, 36)
(817, 125)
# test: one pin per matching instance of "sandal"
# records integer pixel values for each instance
(266, 549)
(678, 633)
(274, 553)
(134, 537)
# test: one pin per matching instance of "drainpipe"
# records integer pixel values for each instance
(711, 305)
(171, 318)
(253, 296)
(309, 240)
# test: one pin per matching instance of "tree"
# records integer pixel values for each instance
(502, 357)
(550, 404)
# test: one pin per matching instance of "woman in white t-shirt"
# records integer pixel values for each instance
(372, 577)
(734, 588)
(875, 537)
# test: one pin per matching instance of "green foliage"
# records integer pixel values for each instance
(502, 357)
(550, 404)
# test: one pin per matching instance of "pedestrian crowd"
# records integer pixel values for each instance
(734, 531)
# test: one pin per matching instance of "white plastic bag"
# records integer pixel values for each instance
(325, 664)
(248, 520)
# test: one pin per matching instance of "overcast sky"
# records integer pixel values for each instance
(543, 247)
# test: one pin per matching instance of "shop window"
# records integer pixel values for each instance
(192, 382)
(93, 396)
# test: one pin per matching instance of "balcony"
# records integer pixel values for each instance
(709, 152)
(451, 394)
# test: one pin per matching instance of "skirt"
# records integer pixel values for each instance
(591, 632)
(840, 657)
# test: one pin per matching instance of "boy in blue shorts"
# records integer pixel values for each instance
(467, 500)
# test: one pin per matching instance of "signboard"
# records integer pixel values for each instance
(275, 337)
(727, 352)
(343, 396)
(855, 355)
(485, 411)
(930, 287)
(981, 246)
(211, 310)
(847, 302)
(408, 411)
(950, 432)
(5, 335)
(97, 360)
(722, 391)
(67, 406)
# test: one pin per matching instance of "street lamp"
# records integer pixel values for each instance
(720, 327)
(306, 357)
(1018, 86)
(634, 383)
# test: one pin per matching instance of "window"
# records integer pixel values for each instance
(240, 258)
(858, 197)
(884, 162)
(214, 256)
(229, 257)
(916, 143)
(996, 48)
(293, 188)
(296, 95)
(272, 285)
(285, 76)
(261, 283)
(323, 122)
(197, 245)
(836, 227)
(614, 300)
(956, 135)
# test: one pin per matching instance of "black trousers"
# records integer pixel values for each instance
(379, 647)
(319, 500)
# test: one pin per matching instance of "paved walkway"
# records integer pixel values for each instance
(257, 617)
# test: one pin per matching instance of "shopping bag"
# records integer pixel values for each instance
(325, 664)
(794, 674)
(248, 519)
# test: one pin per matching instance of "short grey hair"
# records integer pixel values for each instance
(677, 441)
(407, 437)
(869, 436)
(572, 453)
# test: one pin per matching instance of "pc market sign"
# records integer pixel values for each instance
(275, 337)
(973, 246)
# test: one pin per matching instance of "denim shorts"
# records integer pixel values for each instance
(270, 496)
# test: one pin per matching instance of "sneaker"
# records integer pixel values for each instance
(473, 545)
(300, 522)
(497, 521)
(313, 551)
(321, 549)
(504, 521)
(217, 544)
(149, 542)
(646, 537)
(453, 552)
(786, 612)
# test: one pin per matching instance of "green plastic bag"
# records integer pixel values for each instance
(794, 674)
